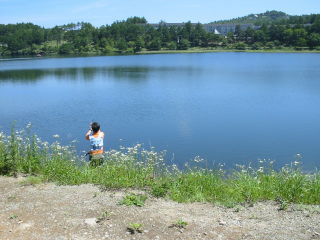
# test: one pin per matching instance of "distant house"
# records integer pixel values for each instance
(221, 29)
(224, 29)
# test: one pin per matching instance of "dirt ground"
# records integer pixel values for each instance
(48, 211)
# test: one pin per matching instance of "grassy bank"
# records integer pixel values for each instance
(135, 167)
(208, 50)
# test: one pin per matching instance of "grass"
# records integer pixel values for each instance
(206, 50)
(31, 180)
(136, 167)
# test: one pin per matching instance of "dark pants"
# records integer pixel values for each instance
(96, 160)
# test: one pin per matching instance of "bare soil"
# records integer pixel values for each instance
(48, 211)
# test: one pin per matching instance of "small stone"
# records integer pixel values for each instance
(24, 226)
(146, 231)
(222, 223)
(91, 221)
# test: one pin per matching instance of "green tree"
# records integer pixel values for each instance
(269, 45)
(155, 44)
(184, 44)
(66, 48)
(172, 45)
(240, 46)
(121, 45)
(139, 44)
(198, 34)
(260, 36)
(136, 20)
(316, 25)
(249, 35)
(314, 40)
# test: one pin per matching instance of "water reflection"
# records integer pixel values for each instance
(86, 73)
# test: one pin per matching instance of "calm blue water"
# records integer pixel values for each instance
(226, 107)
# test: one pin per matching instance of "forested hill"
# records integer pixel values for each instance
(270, 17)
(137, 35)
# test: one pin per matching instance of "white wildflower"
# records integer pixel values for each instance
(198, 159)
(296, 163)
(260, 170)
(175, 168)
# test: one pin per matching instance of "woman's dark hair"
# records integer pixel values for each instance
(95, 127)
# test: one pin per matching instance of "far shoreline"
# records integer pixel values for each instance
(198, 50)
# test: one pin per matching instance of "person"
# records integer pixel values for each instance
(95, 136)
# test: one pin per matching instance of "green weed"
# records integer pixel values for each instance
(283, 204)
(179, 224)
(135, 228)
(13, 216)
(134, 200)
(104, 216)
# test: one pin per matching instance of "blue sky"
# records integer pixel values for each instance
(101, 12)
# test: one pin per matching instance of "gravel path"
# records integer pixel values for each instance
(48, 211)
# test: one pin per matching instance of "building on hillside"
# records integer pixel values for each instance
(221, 29)
(224, 29)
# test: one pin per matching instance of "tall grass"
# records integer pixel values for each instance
(21, 152)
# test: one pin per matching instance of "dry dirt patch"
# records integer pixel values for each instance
(49, 211)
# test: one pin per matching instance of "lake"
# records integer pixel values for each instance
(225, 107)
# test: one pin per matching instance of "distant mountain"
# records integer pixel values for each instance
(257, 19)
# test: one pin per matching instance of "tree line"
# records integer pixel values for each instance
(135, 34)
(271, 17)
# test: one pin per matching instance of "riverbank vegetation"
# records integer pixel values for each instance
(134, 35)
(135, 167)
